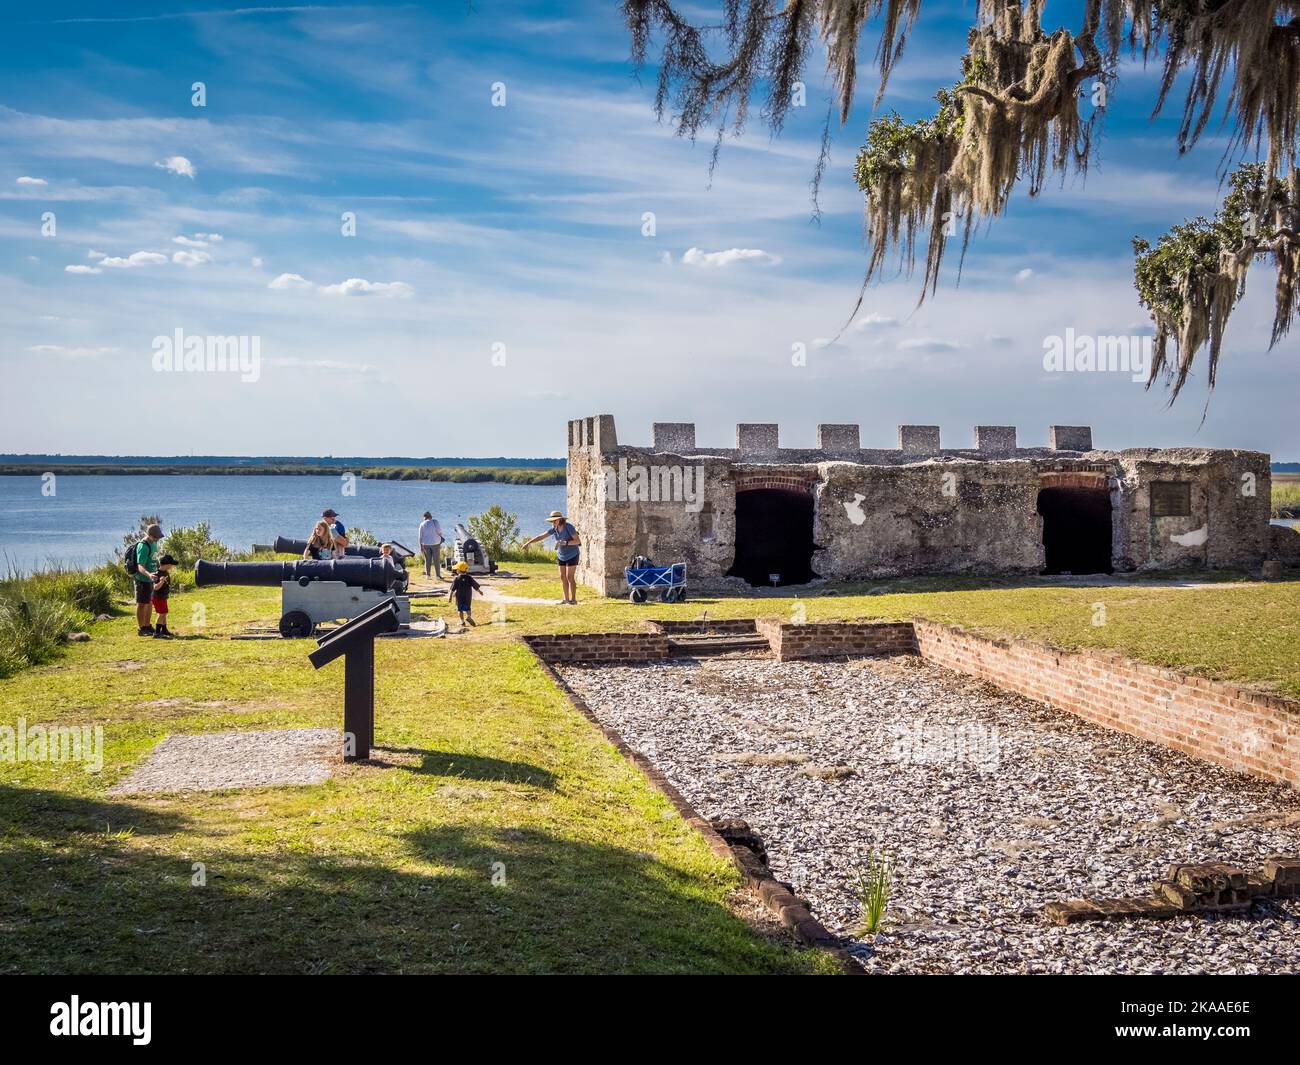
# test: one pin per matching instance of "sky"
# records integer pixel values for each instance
(451, 227)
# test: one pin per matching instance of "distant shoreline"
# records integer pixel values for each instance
(529, 475)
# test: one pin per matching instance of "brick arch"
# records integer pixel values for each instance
(1074, 479)
(786, 482)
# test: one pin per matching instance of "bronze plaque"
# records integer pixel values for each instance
(1171, 499)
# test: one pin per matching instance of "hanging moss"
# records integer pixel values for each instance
(1195, 274)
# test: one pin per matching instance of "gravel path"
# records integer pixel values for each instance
(211, 761)
(990, 804)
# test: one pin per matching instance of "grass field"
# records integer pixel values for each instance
(389, 867)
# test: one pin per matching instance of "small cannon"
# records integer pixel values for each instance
(286, 546)
(312, 592)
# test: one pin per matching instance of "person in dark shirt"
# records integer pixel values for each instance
(162, 589)
(462, 589)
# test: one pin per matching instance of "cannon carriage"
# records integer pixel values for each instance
(313, 592)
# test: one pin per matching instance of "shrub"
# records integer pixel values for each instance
(495, 529)
(191, 543)
(362, 538)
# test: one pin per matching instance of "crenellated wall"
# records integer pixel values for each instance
(915, 509)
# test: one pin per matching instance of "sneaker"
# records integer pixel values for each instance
(163, 634)
(472, 622)
(148, 630)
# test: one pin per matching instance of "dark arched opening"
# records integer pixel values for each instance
(1076, 529)
(774, 537)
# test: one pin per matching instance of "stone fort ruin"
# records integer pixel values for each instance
(761, 514)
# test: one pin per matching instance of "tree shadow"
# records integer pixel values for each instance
(450, 898)
(476, 767)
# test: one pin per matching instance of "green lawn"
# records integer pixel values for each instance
(388, 867)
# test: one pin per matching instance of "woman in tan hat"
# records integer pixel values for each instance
(567, 542)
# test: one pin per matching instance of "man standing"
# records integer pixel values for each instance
(146, 565)
(431, 544)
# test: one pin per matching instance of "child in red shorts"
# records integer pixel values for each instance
(162, 587)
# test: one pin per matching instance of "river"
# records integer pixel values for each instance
(79, 520)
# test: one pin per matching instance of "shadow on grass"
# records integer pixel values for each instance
(454, 899)
(477, 767)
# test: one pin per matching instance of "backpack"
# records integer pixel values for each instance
(132, 562)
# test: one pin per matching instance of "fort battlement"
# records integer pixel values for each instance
(760, 442)
(759, 513)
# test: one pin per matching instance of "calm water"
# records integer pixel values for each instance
(87, 516)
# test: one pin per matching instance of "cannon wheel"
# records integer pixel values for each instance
(296, 625)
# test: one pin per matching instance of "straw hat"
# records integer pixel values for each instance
(556, 516)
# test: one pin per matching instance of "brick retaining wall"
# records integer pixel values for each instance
(600, 647)
(837, 639)
(1247, 731)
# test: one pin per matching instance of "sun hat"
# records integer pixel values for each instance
(554, 515)
(462, 567)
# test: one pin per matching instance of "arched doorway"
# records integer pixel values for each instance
(774, 536)
(1076, 527)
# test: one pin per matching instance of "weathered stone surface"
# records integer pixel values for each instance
(918, 439)
(757, 438)
(996, 438)
(676, 437)
(1070, 437)
(839, 440)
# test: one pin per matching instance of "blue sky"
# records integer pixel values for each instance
(517, 231)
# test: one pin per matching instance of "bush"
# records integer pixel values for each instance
(495, 529)
(32, 628)
(359, 537)
(190, 544)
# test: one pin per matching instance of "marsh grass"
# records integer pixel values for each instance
(873, 883)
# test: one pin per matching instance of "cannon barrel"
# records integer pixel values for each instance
(380, 574)
(287, 546)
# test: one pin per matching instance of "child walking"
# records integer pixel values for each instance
(462, 589)
(162, 589)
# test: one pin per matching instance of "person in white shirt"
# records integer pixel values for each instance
(430, 537)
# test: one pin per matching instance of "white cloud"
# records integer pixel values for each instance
(359, 286)
(875, 320)
(934, 344)
(256, 261)
(191, 258)
(31, 181)
(1024, 275)
(136, 258)
(77, 268)
(93, 254)
(198, 240)
(178, 164)
(73, 353)
(699, 257)
(287, 281)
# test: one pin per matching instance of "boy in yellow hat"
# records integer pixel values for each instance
(462, 589)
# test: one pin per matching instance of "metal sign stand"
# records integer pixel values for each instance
(355, 642)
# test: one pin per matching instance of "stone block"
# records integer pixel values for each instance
(918, 439)
(1070, 437)
(675, 437)
(757, 438)
(995, 438)
(838, 439)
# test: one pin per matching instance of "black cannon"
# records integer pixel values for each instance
(312, 592)
(285, 546)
